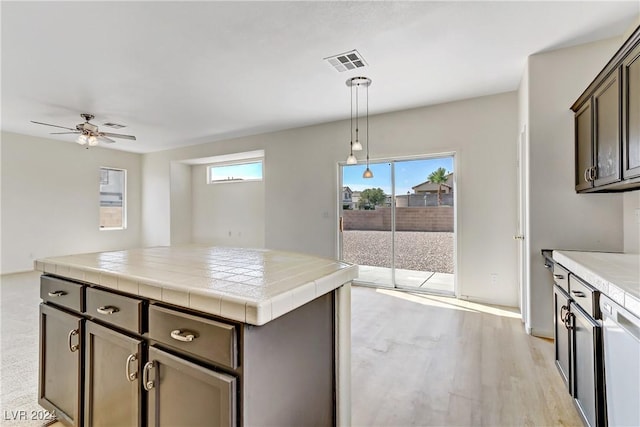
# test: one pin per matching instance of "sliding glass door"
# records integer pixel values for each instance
(399, 225)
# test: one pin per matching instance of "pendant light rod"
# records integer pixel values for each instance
(356, 145)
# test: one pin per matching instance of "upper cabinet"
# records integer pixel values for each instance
(607, 125)
(631, 115)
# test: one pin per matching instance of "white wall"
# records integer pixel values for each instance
(301, 183)
(631, 203)
(50, 200)
(559, 218)
(181, 203)
(227, 214)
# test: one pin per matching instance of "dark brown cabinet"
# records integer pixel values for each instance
(112, 392)
(182, 393)
(578, 343)
(561, 334)
(631, 115)
(606, 135)
(584, 147)
(111, 359)
(60, 374)
(607, 125)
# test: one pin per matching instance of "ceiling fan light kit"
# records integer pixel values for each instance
(88, 133)
(357, 145)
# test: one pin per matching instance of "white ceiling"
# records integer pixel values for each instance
(183, 73)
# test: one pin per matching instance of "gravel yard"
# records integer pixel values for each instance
(415, 250)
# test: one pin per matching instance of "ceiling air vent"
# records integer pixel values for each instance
(347, 61)
(114, 125)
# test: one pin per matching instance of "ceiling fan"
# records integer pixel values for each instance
(88, 133)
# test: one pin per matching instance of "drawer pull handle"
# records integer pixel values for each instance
(131, 376)
(183, 336)
(548, 266)
(579, 294)
(146, 382)
(73, 347)
(55, 294)
(107, 309)
(558, 276)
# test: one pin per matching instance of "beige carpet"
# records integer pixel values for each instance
(19, 299)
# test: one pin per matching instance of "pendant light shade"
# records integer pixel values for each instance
(82, 139)
(357, 83)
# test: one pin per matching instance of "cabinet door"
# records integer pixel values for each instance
(561, 334)
(182, 393)
(587, 368)
(113, 395)
(631, 115)
(584, 147)
(606, 138)
(60, 377)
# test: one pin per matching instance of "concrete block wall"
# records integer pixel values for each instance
(407, 219)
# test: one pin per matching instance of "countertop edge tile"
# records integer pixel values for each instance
(183, 276)
(589, 267)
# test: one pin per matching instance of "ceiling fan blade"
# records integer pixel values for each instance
(105, 139)
(64, 133)
(117, 135)
(55, 126)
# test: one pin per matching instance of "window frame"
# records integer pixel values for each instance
(246, 161)
(124, 198)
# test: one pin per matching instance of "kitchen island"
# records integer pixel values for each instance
(194, 335)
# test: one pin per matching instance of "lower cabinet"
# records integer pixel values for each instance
(60, 373)
(561, 334)
(112, 392)
(579, 346)
(587, 363)
(182, 393)
(108, 359)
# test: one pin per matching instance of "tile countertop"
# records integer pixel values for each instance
(248, 285)
(616, 275)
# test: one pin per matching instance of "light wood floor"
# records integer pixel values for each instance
(420, 360)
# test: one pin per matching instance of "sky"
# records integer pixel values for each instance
(408, 173)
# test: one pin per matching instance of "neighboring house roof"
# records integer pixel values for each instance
(346, 188)
(429, 187)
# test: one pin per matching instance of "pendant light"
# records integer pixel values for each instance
(351, 160)
(357, 145)
(367, 173)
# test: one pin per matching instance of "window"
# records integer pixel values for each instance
(113, 200)
(236, 172)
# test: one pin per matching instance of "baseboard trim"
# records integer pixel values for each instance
(540, 333)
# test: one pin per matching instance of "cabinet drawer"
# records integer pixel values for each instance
(561, 276)
(62, 292)
(118, 310)
(208, 339)
(585, 296)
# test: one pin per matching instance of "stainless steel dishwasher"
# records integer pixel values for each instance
(622, 363)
